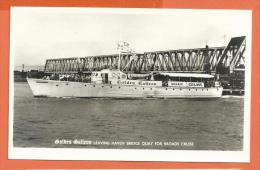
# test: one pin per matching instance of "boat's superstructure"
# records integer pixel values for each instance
(117, 84)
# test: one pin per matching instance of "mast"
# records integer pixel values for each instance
(119, 60)
(122, 47)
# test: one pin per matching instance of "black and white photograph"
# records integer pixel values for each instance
(130, 84)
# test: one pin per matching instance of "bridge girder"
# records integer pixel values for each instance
(183, 60)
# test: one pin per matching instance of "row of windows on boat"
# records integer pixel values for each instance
(87, 78)
(196, 89)
(70, 77)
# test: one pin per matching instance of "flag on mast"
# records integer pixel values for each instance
(123, 47)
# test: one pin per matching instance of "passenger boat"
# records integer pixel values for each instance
(113, 83)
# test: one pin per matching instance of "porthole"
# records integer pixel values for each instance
(143, 88)
(119, 87)
(135, 88)
(110, 86)
(57, 85)
(93, 85)
(85, 85)
(102, 86)
(151, 88)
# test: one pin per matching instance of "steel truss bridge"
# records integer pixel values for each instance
(183, 60)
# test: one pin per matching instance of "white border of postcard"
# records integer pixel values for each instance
(128, 154)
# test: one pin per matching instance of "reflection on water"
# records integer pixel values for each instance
(215, 124)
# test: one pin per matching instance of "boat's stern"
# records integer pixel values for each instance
(219, 91)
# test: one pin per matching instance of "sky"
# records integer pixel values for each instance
(38, 33)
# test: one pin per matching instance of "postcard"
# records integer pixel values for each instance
(130, 84)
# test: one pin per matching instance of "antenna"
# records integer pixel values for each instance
(119, 60)
(119, 53)
(119, 49)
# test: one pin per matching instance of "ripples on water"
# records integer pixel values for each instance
(215, 124)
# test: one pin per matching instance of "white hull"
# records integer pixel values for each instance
(51, 88)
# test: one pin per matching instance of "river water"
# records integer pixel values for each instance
(188, 124)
